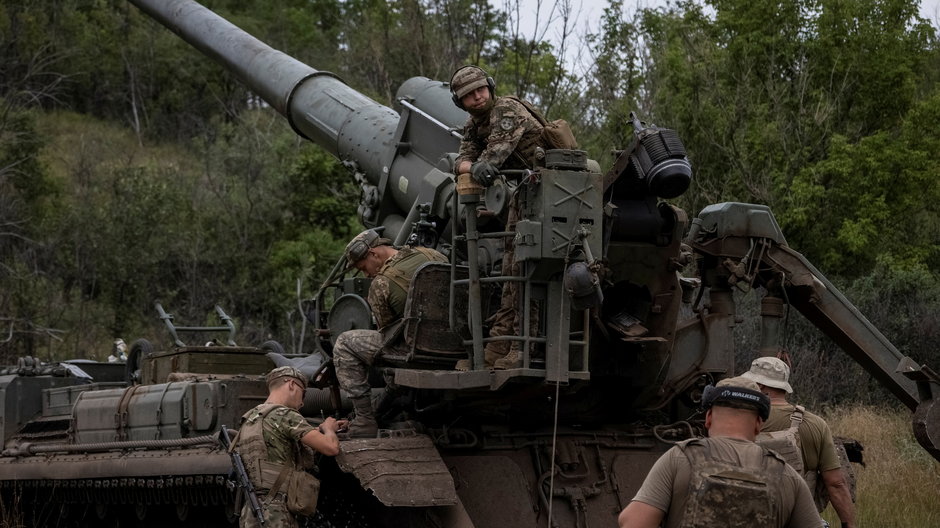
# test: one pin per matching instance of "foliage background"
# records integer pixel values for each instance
(133, 170)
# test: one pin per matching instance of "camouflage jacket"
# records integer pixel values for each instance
(506, 137)
(389, 287)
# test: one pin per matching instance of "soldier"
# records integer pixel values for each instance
(355, 351)
(726, 479)
(816, 455)
(118, 351)
(500, 134)
(271, 437)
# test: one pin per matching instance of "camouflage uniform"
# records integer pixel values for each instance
(505, 321)
(507, 137)
(279, 442)
(356, 350)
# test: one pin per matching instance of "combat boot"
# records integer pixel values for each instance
(512, 360)
(388, 399)
(491, 354)
(364, 424)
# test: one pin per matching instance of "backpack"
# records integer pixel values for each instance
(728, 495)
(556, 134)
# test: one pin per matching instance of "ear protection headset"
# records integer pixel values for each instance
(737, 397)
(489, 82)
(359, 248)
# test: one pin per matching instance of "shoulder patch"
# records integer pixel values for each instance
(507, 123)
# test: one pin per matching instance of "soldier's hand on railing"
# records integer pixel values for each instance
(484, 172)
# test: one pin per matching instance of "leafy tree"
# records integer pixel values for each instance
(873, 199)
(614, 84)
(763, 92)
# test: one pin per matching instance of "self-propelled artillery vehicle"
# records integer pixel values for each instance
(617, 343)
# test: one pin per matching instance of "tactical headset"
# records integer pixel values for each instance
(489, 82)
(737, 397)
(359, 248)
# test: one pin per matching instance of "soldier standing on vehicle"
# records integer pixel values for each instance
(802, 437)
(726, 479)
(355, 351)
(500, 134)
(271, 438)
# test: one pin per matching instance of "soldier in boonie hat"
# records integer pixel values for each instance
(286, 372)
(805, 439)
(770, 372)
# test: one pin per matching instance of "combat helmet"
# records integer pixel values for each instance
(467, 79)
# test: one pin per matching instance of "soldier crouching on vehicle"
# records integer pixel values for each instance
(355, 351)
(270, 441)
(726, 479)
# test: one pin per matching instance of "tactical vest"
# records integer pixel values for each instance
(400, 271)
(727, 495)
(254, 451)
(786, 443)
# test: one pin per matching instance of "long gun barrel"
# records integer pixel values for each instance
(396, 173)
(242, 475)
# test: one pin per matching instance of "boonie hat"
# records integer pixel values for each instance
(359, 246)
(286, 372)
(770, 372)
(740, 393)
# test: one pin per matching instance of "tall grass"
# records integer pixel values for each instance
(900, 483)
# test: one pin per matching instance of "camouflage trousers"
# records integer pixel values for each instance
(275, 511)
(507, 320)
(354, 354)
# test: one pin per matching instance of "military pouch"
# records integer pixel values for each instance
(557, 134)
(303, 490)
(265, 474)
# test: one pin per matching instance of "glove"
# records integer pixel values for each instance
(484, 172)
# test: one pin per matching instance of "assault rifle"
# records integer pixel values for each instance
(242, 476)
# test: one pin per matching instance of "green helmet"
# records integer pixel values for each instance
(468, 79)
